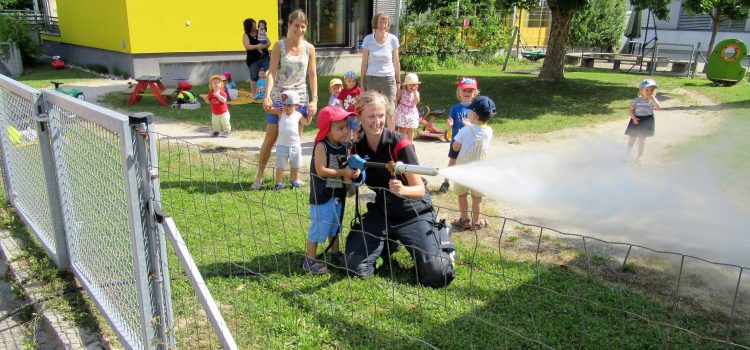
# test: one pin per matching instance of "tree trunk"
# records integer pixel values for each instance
(557, 44)
(715, 18)
(714, 30)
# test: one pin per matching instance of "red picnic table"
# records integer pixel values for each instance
(148, 81)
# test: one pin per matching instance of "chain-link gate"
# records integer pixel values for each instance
(76, 174)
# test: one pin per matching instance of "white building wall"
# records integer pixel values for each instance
(668, 33)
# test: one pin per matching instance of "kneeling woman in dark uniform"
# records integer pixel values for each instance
(402, 210)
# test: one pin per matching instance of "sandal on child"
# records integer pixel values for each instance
(461, 224)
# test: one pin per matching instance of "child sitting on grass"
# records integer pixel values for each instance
(330, 183)
(289, 144)
(472, 144)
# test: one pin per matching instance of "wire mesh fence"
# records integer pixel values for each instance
(89, 170)
(517, 285)
(77, 176)
(23, 162)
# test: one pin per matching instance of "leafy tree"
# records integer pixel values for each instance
(14, 28)
(16, 5)
(599, 24)
(562, 17)
(718, 10)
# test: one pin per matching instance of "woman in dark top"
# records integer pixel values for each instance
(402, 210)
(257, 53)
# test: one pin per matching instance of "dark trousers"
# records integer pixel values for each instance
(430, 247)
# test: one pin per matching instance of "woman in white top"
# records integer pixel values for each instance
(381, 70)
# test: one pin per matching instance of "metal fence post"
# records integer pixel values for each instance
(147, 172)
(4, 168)
(654, 58)
(53, 189)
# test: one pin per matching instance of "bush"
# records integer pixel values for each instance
(97, 68)
(418, 63)
(119, 73)
(450, 63)
(14, 28)
(599, 24)
(438, 33)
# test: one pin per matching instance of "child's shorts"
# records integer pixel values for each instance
(274, 119)
(451, 153)
(288, 154)
(325, 220)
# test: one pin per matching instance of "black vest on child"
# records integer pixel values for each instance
(322, 189)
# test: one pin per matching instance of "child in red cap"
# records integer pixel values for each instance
(465, 92)
(330, 183)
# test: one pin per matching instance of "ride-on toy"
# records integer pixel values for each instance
(57, 63)
(75, 92)
(428, 128)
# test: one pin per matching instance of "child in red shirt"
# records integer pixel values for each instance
(348, 98)
(217, 98)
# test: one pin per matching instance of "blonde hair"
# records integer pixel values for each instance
(376, 18)
(458, 94)
(211, 82)
(297, 15)
(369, 98)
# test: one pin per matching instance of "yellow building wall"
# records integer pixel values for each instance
(94, 23)
(534, 36)
(164, 26)
(161, 26)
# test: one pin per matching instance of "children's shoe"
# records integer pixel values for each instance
(337, 259)
(225, 134)
(279, 187)
(256, 186)
(314, 267)
(215, 134)
(296, 184)
(444, 187)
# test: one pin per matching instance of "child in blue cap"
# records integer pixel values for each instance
(472, 144)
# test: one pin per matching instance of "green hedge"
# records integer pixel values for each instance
(438, 39)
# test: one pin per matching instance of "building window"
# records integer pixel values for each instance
(539, 16)
(335, 23)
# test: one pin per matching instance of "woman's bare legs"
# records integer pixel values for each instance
(272, 133)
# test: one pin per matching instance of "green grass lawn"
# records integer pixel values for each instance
(40, 77)
(526, 104)
(249, 245)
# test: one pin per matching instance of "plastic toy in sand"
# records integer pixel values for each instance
(75, 92)
(428, 128)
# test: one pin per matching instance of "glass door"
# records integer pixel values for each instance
(328, 22)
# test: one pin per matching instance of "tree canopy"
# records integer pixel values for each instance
(599, 24)
(718, 10)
